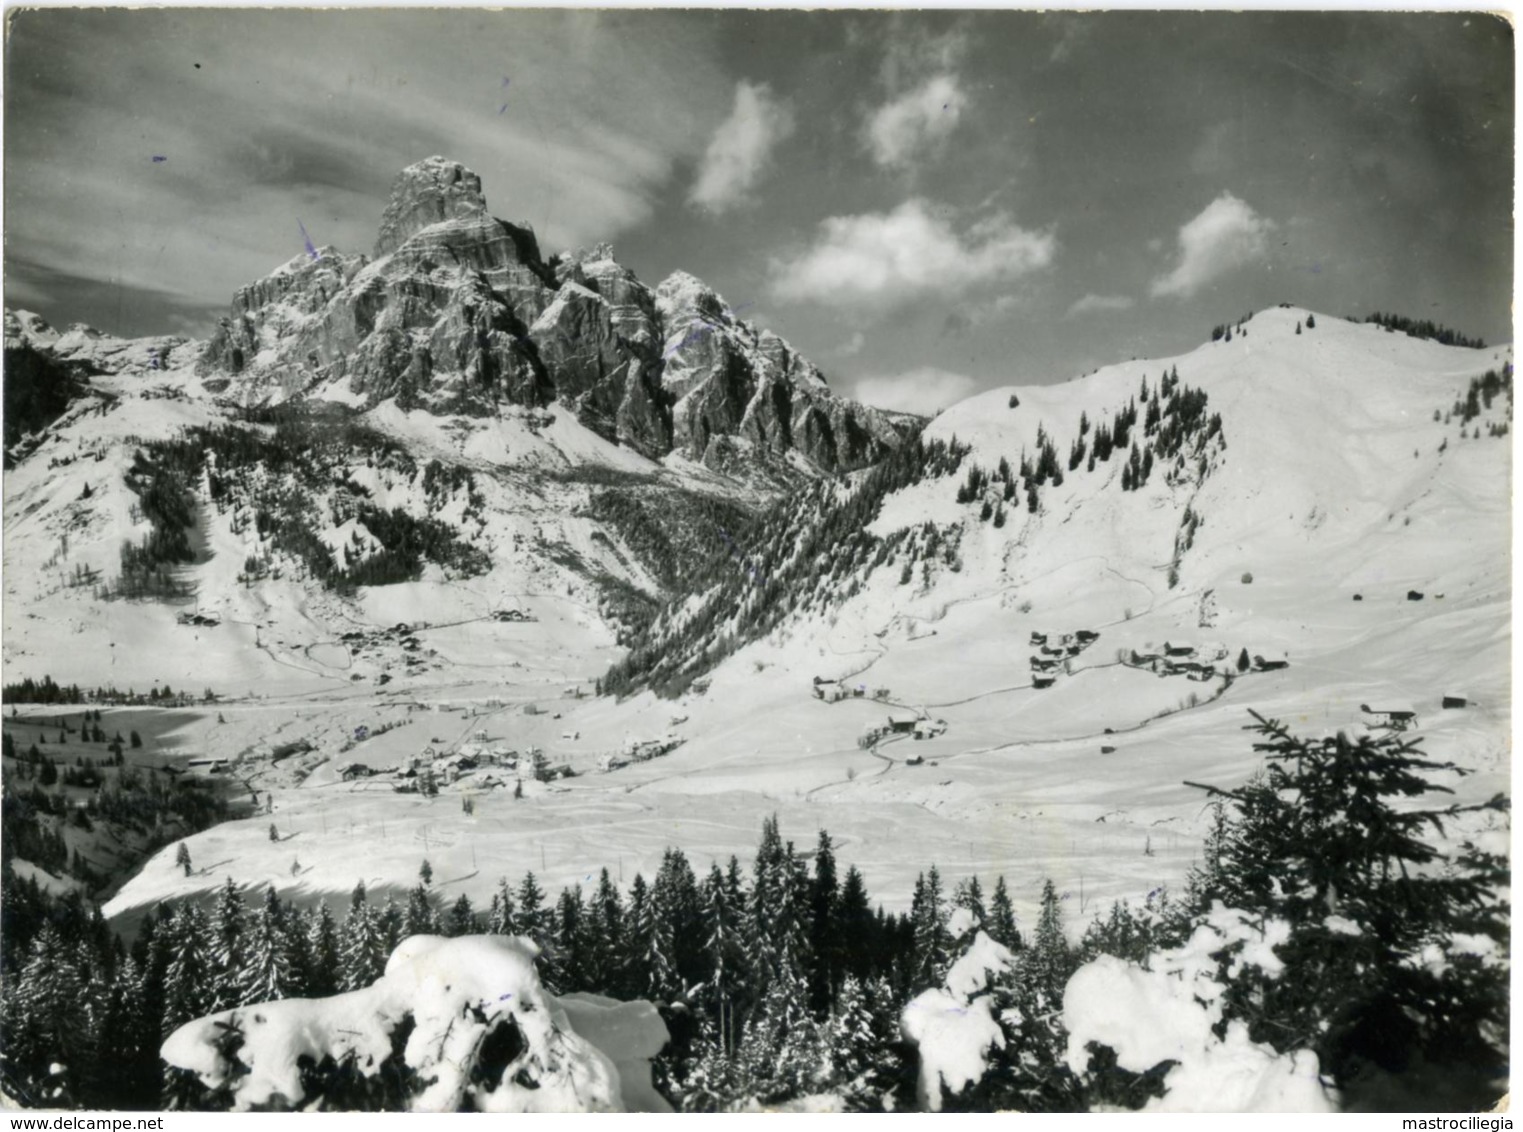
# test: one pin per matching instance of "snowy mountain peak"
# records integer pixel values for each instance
(681, 295)
(25, 326)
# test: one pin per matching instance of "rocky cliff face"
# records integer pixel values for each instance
(458, 313)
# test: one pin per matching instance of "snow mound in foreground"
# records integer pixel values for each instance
(453, 1024)
(953, 1026)
(1167, 1014)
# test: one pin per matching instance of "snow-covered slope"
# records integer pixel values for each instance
(1293, 530)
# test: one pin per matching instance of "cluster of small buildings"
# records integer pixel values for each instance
(1199, 663)
(917, 724)
(486, 764)
(1054, 651)
(833, 691)
(640, 751)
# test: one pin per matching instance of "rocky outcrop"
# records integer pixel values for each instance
(458, 313)
(432, 191)
(600, 339)
(437, 320)
(38, 387)
(727, 380)
(268, 314)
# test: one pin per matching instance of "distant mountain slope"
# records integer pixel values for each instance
(1289, 450)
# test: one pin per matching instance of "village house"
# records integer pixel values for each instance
(902, 720)
(929, 728)
(1398, 715)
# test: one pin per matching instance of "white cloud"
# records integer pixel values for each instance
(970, 316)
(926, 390)
(1227, 235)
(1004, 304)
(851, 347)
(917, 122)
(741, 147)
(890, 257)
(910, 50)
(1094, 302)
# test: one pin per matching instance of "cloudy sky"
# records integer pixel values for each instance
(926, 204)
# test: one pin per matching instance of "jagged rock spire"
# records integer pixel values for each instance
(434, 189)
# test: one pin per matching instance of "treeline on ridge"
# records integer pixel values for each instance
(805, 543)
(272, 466)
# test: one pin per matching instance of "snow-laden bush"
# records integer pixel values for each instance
(453, 1024)
(1167, 1015)
(953, 1026)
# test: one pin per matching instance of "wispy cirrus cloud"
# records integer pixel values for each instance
(887, 258)
(205, 134)
(741, 148)
(1226, 235)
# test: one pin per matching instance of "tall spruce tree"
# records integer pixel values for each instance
(675, 898)
(323, 954)
(605, 930)
(824, 931)
(1330, 838)
(932, 945)
(1050, 960)
(652, 970)
(229, 925)
(1002, 927)
(570, 948)
(533, 920)
(271, 969)
(856, 934)
(188, 973)
(725, 953)
(362, 945)
(462, 917)
(420, 918)
(502, 917)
